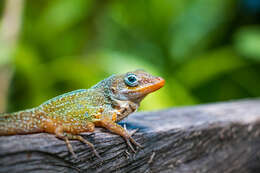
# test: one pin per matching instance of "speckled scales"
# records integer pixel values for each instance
(77, 104)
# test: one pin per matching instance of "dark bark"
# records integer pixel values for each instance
(215, 138)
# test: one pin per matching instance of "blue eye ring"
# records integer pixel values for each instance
(131, 80)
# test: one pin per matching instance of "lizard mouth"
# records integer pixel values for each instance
(151, 88)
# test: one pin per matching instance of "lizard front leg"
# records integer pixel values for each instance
(117, 129)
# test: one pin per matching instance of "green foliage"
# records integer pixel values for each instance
(247, 42)
(66, 45)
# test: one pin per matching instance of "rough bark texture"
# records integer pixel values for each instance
(215, 138)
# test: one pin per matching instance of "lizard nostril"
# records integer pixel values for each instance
(160, 78)
(161, 82)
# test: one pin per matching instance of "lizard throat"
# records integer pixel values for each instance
(125, 108)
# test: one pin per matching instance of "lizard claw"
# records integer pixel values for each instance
(135, 143)
(132, 139)
(130, 145)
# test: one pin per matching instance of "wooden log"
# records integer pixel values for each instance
(213, 138)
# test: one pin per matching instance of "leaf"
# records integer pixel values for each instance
(197, 27)
(62, 14)
(247, 42)
(209, 66)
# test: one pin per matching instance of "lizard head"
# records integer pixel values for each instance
(134, 86)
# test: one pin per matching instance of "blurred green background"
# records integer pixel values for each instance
(207, 51)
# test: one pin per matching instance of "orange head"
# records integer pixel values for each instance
(133, 86)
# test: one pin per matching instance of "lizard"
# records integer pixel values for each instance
(75, 112)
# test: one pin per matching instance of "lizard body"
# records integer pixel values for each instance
(79, 111)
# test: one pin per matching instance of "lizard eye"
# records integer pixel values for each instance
(131, 80)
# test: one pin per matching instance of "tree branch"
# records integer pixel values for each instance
(215, 138)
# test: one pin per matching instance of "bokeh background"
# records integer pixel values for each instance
(207, 50)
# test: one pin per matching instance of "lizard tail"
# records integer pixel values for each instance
(22, 122)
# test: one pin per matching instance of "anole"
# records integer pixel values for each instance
(70, 114)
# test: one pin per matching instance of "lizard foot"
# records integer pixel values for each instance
(81, 139)
(66, 136)
(117, 129)
(129, 138)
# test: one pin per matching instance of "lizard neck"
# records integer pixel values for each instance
(123, 106)
(126, 110)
